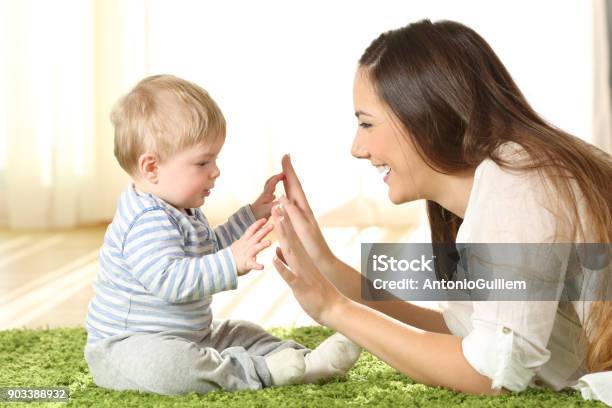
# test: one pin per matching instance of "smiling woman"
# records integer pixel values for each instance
(436, 105)
(380, 139)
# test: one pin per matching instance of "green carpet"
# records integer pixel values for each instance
(47, 358)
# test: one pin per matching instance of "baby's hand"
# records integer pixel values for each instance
(245, 249)
(263, 205)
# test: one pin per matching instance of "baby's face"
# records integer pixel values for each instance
(188, 177)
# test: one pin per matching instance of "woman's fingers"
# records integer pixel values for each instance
(279, 254)
(292, 248)
(283, 270)
(295, 214)
(293, 187)
(277, 220)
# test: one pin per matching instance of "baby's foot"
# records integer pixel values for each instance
(286, 367)
(334, 357)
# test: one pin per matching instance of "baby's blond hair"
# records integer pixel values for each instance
(163, 115)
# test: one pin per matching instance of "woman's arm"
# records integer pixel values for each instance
(431, 358)
(348, 281)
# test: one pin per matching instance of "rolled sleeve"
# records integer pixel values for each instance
(508, 341)
(494, 352)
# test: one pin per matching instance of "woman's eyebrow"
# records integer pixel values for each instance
(360, 112)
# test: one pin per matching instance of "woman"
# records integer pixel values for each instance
(440, 114)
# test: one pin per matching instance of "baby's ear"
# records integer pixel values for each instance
(148, 167)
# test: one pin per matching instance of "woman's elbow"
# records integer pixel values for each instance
(481, 385)
(485, 387)
(493, 392)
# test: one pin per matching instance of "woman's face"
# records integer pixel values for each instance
(381, 139)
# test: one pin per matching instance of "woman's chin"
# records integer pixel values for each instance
(396, 198)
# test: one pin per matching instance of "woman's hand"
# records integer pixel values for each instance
(317, 296)
(302, 218)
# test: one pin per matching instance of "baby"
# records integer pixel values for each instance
(150, 325)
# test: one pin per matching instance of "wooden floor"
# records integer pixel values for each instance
(45, 278)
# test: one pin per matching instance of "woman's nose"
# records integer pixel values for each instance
(358, 150)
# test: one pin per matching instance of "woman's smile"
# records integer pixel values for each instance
(384, 170)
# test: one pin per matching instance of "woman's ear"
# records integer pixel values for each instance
(148, 167)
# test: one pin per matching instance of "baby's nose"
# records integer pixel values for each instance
(216, 173)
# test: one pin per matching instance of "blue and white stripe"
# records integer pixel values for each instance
(159, 267)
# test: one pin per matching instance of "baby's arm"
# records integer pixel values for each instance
(153, 251)
(235, 226)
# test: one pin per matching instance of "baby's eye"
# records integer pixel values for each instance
(203, 163)
(365, 125)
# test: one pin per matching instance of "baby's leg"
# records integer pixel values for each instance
(333, 357)
(276, 361)
(252, 337)
(169, 363)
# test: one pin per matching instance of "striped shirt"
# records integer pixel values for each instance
(159, 267)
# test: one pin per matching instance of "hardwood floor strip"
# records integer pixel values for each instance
(10, 244)
(20, 311)
(48, 242)
(48, 277)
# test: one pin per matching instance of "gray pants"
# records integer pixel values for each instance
(231, 356)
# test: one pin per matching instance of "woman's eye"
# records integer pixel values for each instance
(365, 125)
(203, 163)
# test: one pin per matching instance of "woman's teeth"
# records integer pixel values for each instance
(384, 169)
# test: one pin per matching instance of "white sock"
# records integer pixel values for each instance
(334, 357)
(286, 366)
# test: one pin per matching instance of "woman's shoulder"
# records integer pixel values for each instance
(507, 204)
(508, 155)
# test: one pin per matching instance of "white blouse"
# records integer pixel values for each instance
(520, 344)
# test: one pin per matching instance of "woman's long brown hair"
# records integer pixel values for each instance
(458, 104)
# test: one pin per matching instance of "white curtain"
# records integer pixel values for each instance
(602, 111)
(63, 64)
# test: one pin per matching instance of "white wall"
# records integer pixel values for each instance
(282, 72)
